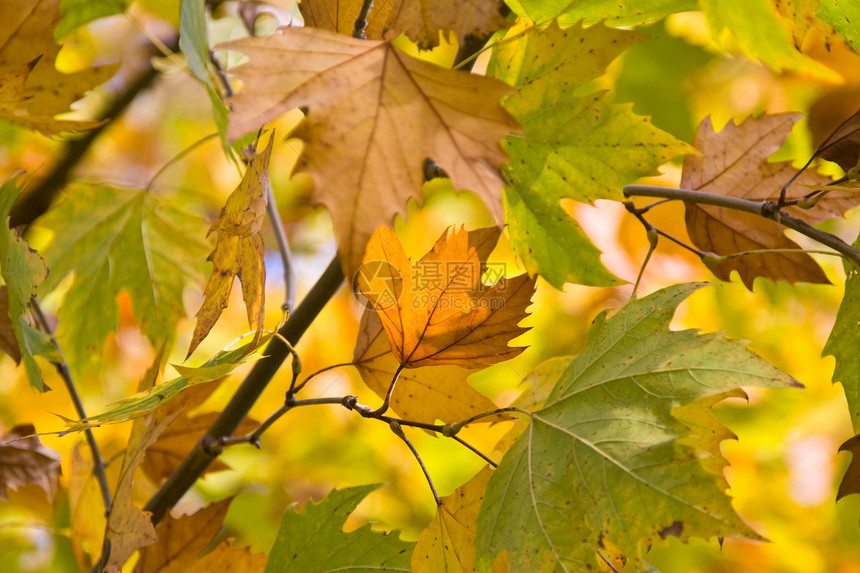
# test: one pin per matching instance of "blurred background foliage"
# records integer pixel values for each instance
(784, 465)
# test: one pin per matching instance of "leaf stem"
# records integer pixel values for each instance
(283, 250)
(766, 209)
(178, 157)
(387, 402)
(398, 431)
(66, 374)
(196, 462)
(304, 382)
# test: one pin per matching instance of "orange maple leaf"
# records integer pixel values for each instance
(438, 311)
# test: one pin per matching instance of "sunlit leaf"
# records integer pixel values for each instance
(313, 540)
(239, 251)
(370, 105)
(610, 12)
(438, 311)
(604, 457)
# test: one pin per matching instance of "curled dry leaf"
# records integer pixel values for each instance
(238, 251)
(420, 20)
(370, 105)
(32, 90)
(24, 459)
(733, 162)
(438, 311)
(843, 145)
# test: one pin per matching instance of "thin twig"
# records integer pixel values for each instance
(284, 250)
(361, 21)
(766, 209)
(387, 402)
(478, 452)
(398, 431)
(295, 390)
(64, 372)
(607, 561)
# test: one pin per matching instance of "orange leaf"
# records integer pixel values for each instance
(374, 115)
(238, 251)
(734, 163)
(422, 395)
(438, 311)
(420, 20)
(182, 540)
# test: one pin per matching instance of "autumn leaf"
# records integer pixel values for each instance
(420, 20)
(607, 438)
(611, 12)
(447, 545)
(575, 146)
(844, 345)
(313, 540)
(33, 90)
(843, 145)
(438, 311)
(24, 460)
(23, 270)
(116, 240)
(843, 15)
(424, 394)
(239, 251)
(733, 162)
(182, 542)
(369, 105)
(87, 509)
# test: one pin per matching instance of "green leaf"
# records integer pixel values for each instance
(574, 147)
(22, 269)
(194, 39)
(844, 344)
(760, 33)
(843, 15)
(610, 12)
(606, 457)
(76, 13)
(313, 540)
(115, 241)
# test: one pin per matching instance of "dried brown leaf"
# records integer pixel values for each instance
(33, 90)
(25, 460)
(733, 162)
(369, 105)
(851, 480)
(238, 251)
(438, 311)
(843, 145)
(8, 342)
(420, 20)
(424, 394)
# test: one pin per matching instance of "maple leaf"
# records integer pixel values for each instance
(439, 311)
(447, 545)
(420, 20)
(33, 90)
(611, 12)
(425, 394)
(607, 437)
(23, 270)
(575, 146)
(370, 106)
(239, 251)
(24, 459)
(843, 15)
(313, 541)
(182, 541)
(733, 162)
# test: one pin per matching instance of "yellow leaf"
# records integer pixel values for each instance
(238, 251)
(88, 512)
(374, 115)
(422, 395)
(33, 90)
(439, 311)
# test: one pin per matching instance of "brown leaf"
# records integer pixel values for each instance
(8, 342)
(843, 145)
(424, 394)
(734, 163)
(851, 480)
(33, 90)
(438, 311)
(420, 20)
(238, 251)
(448, 543)
(182, 540)
(369, 105)
(24, 460)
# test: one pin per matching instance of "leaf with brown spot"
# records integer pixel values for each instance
(238, 251)
(24, 460)
(438, 311)
(422, 395)
(368, 106)
(182, 540)
(420, 20)
(32, 90)
(448, 543)
(733, 162)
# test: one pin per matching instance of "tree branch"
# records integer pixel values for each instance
(193, 466)
(766, 209)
